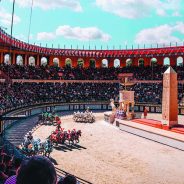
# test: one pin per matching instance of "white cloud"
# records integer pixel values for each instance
(45, 36)
(84, 34)
(52, 4)
(139, 8)
(76, 33)
(5, 17)
(161, 34)
(179, 26)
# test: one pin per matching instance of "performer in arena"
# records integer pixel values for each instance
(58, 124)
(87, 110)
(145, 112)
(30, 137)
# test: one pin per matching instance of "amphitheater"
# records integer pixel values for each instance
(36, 79)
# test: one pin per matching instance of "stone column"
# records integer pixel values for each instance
(38, 60)
(2, 58)
(14, 59)
(170, 98)
(98, 63)
(110, 62)
(26, 60)
(122, 62)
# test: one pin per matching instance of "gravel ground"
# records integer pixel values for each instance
(106, 155)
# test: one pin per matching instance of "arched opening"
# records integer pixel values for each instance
(92, 63)
(128, 62)
(19, 60)
(80, 62)
(180, 61)
(7, 59)
(141, 62)
(56, 62)
(153, 62)
(68, 62)
(44, 61)
(31, 61)
(116, 63)
(104, 63)
(166, 61)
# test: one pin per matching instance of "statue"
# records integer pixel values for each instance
(112, 105)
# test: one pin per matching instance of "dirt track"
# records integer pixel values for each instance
(108, 155)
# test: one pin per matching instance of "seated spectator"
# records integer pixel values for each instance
(37, 170)
(3, 176)
(68, 179)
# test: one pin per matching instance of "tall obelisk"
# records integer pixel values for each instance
(170, 98)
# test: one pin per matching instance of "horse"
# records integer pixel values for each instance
(77, 135)
(48, 147)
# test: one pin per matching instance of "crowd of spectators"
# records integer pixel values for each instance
(8, 166)
(79, 73)
(19, 94)
(36, 169)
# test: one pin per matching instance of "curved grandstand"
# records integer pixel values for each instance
(37, 55)
(35, 79)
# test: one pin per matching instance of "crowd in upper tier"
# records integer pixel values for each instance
(19, 94)
(79, 73)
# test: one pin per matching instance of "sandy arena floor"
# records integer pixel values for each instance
(110, 156)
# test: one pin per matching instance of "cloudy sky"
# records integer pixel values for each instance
(112, 23)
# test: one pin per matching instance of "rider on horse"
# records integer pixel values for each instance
(30, 137)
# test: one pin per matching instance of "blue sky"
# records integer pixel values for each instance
(96, 22)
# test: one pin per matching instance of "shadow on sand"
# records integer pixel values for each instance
(66, 147)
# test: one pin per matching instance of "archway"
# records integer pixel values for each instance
(141, 62)
(92, 63)
(80, 62)
(128, 62)
(104, 63)
(166, 61)
(153, 62)
(68, 62)
(31, 61)
(7, 59)
(44, 61)
(116, 63)
(56, 62)
(19, 60)
(180, 61)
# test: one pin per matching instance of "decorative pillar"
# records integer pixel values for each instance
(160, 60)
(128, 108)
(86, 62)
(26, 60)
(122, 63)
(110, 62)
(98, 63)
(74, 62)
(2, 58)
(38, 60)
(14, 59)
(50, 60)
(135, 61)
(170, 98)
(62, 61)
(147, 61)
(173, 61)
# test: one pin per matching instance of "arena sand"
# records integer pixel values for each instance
(110, 156)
